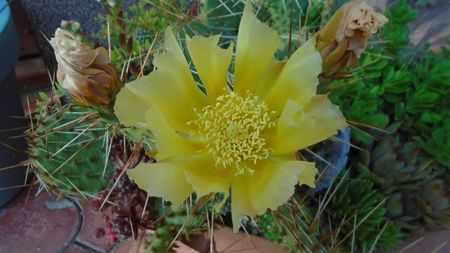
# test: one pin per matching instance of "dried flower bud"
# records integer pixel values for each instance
(344, 38)
(85, 73)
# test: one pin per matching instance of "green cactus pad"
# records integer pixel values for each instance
(68, 148)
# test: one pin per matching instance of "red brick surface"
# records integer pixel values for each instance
(227, 241)
(437, 241)
(126, 246)
(33, 227)
(73, 248)
(91, 221)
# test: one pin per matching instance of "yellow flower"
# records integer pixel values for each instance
(244, 138)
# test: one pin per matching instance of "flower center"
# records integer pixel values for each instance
(233, 127)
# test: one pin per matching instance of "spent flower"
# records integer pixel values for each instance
(84, 72)
(344, 38)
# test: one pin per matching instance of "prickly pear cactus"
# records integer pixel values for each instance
(350, 217)
(160, 241)
(294, 226)
(68, 148)
(174, 224)
(362, 204)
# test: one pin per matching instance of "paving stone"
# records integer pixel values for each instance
(73, 248)
(432, 26)
(183, 248)
(92, 220)
(34, 227)
(199, 243)
(127, 246)
(227, 241)
(434, 241)
(132, 246)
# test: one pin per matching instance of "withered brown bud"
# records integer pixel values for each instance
(85, 73)
(344, 38)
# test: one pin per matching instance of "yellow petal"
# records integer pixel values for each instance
(211, 62)
(171, 86)
(256, 46)
(268, 79)
(241, 203)
(301, 126)
(172, 62)
(272, 185)
(205, 177)
(130, 107)
(169, 143)
(162, 179)
(308, 175)
(298, 79)
(159, 90)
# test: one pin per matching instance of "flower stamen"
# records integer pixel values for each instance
(234, 127)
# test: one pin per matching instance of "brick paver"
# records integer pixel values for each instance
(432, 26)
(92, 220)
(74, 248)
(41, 225)
(126, 246)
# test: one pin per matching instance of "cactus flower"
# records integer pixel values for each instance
(85, 73)
(240, 132)
(344, 38)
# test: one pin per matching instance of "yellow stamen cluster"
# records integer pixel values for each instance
(233, 127)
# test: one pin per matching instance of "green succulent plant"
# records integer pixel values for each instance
(417, 190)
(400, 16)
